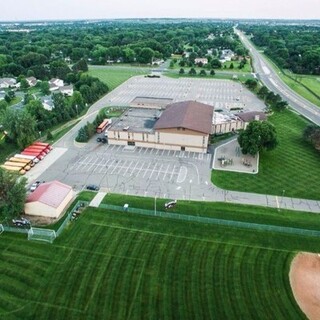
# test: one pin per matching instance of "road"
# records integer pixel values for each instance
(271, 79)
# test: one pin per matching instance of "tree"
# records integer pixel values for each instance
(20, 125)
(12, 194)
(212, 72)
(280, 105)
(181, 71)
(146, 55)
(192, 72)
(45, 88)
(24, 84)
(203, 72)
(231, 65)
(258, 136)
(251, 83)
(312, 134)
(49, 135)
(9, 96)
(81, 65)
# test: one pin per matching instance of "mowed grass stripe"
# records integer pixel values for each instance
(152, 269)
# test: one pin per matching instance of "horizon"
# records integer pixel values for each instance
(61, 10)
(158, 18)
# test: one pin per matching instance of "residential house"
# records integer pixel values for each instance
(7, 83)
(67, 90)
(32, 81)
(55, 84)
(204, 61)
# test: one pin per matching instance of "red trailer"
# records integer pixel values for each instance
(41, 149)
(42, 144)
(33, 153)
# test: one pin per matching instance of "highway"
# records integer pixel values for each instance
(266, 74)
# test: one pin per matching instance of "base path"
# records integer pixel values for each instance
(305, 283)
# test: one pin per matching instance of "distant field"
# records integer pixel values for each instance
(122, 266)
(293, 166)
(114, 76)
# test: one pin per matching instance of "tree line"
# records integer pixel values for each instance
(292, 47)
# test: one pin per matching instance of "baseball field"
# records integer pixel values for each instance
(116, 265)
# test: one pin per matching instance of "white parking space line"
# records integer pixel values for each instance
(142, 165)
(172, 173)
(115, 167)
(159, 172)
(122, 166)
(165, 174)
(134, 169)
(140, 149)
(154, 168)
(145, 172)
(112, 147)
(129, 166)
(92, 164)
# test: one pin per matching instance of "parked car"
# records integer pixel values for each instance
(92, 187)
(98, 139)
(170, 204)
(35, 185)
(21, 222)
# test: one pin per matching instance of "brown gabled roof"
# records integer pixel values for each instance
(190, 115)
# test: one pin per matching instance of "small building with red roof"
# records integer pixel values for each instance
(50, 199)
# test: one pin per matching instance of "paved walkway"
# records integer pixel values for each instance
(97, 199)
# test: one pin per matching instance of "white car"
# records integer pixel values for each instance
(35, 185)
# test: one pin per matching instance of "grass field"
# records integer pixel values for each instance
(293, 166)
(114, 76)
(221, 210)
(118, 266)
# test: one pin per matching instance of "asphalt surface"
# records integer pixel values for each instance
(271, 79)
(146, 172)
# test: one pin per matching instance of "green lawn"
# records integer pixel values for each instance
(293, 166)
(114, 76)
(220, 210)
(112, 265)
(245, 69)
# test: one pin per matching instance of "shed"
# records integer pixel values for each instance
(50, 199)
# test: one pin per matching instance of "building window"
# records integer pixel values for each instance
(183, 148)
(158, 137)
(143, 137)
(131, 143)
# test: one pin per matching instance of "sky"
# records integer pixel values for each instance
(22, 10)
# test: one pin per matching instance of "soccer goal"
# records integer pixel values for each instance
(40, 234)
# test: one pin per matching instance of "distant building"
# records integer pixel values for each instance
(32, 81)
(47, 103)
(226, 55)
(55, 84)
(50, 199)
(247, 117)
(204, 61)
(7, 83)
(66, 90)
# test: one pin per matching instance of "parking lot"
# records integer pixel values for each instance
(128, 170)
(222, 94)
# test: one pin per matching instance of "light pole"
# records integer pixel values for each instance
(155, 205)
